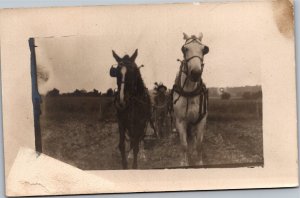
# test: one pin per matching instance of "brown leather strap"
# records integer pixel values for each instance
(181, 92)
(202, 107)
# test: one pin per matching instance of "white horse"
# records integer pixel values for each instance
(190, 100)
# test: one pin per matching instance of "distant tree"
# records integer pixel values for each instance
(65, 94)
(257, 95)
(96, 92)
(239, 94)
(225, 96)
(247, 95)
(83, 91)
(110, 92)
(78, 92)
(93, 93)
(54, 92)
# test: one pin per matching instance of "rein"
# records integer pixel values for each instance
(180, 89)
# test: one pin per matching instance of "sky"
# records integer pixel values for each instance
(233, 32)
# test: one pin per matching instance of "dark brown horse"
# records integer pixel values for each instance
(133, 105)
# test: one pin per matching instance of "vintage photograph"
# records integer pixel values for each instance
(152, 101)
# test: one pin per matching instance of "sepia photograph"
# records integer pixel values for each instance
(161, 100)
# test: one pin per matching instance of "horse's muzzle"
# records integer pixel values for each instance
(195, 75)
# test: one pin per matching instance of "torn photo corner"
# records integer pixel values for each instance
(112, 99)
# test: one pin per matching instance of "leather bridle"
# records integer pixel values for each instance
(184, 63)
(128, 100)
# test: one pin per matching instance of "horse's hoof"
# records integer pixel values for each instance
(199, 163)
(184, 163)
(143, 157)
(130, 155)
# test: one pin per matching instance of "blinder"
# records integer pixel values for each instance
(205, 50)
(113, 71)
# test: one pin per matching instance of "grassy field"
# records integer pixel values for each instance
(82, 131)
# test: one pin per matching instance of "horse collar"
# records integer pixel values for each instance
(179, 89)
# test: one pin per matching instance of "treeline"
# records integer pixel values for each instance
(254, 95)
(245, 95)
(225, 95)
(235, 92)
(80, 93)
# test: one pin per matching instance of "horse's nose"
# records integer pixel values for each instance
(195, 75)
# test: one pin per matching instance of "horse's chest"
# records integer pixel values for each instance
(187, 109)
(134, 114)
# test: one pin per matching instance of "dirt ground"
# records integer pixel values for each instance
(90, 144)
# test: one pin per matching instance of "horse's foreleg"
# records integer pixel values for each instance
(191, 140)
(181, 127)
(159, 127)
(153, 127)
(130, 153)
(135, 154)
(173, 129)
(201, 129)
(142, 151)
(199, 154)
(122, 146)
(163, 126)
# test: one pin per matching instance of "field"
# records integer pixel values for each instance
(82, 131)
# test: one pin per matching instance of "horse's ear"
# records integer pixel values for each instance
(118, 59)
(134, 55)
(185, 36)
(205, 50)
(200, 36)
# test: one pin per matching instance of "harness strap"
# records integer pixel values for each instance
(178, 80)
(181, 92)
(202, 107)
(202, 92)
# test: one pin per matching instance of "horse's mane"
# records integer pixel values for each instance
(141, 88)
(140, 85)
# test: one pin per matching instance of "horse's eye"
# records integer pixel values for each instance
(205, 50)
(184, 49)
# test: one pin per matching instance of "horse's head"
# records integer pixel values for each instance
(126, 67)
(127, 74)
(160, 88)
(193, 52)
